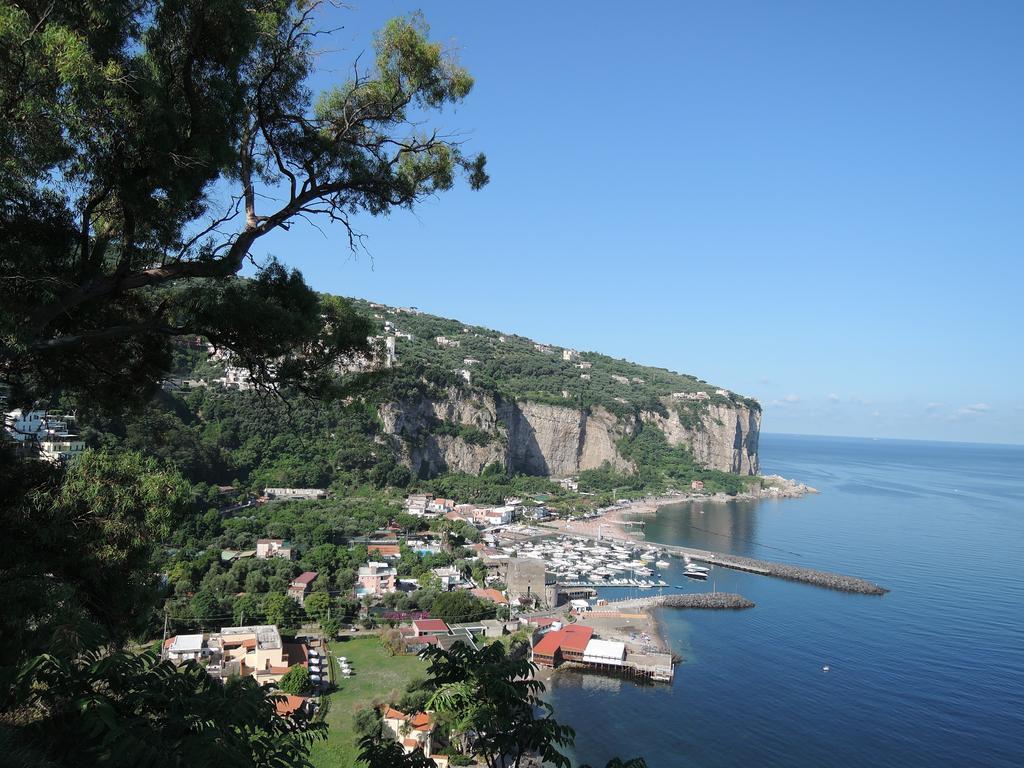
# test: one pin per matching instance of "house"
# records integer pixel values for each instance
(375, 579)
(570, 354)
(445, 343)
(451, 578)
(268, 548)
(256, 651)
(411, 731)
(288, 705)
(494, 515)
(50, 434)
(569, 483)
(301, 585)
(691, 395)
(186, 648)
(421, 627)
(417, 504)
(697, 485)
(560, 645)
(441, 506)
(385, 551)
(491, 595)
(282, 494)
(620, 379)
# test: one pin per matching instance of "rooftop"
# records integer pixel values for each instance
(267, 636)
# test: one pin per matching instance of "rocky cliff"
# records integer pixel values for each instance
(724, 436)
(553, 440)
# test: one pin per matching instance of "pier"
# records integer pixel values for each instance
(826, 579)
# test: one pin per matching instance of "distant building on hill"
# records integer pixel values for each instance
(289, 494)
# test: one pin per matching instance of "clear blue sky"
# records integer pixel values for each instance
(817, 204)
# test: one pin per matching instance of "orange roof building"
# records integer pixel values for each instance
(566, 644)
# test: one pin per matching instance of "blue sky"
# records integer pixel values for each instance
(817, 204)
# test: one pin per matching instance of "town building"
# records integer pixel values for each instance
(528, 581)
(697, 485)
(49, 435)
(570, 354)
(301, 586)
(494, 515)
(257, 651)
(375, 579)
(268, 548)
(422, 627)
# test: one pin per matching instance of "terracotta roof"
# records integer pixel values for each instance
(490, 594)
(410, 743)
(169, 641)
(421, 721)
(576, 637)
(548, 644)
(384, 549)
(305, 578)
(429, 625)
(571, 638)
(541, 621)
(287, 705)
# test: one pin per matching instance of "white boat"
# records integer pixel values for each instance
(663, 564)
(701, 568)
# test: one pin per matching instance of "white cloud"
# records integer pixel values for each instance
(833, 397)
(792, 398)
(976, 408)
(876, 414)
(933, 406)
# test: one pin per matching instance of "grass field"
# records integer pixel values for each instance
(376, 676)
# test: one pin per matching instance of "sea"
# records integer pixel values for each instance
(930, 674)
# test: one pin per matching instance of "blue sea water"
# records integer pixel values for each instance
(931, 674)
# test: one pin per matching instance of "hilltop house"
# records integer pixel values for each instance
(281, 494)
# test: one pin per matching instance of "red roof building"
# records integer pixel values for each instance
(429, 627)
(566, 644)
(300, 586)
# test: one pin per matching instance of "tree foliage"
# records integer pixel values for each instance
(148, 147)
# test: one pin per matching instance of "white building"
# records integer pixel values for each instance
(280, 494)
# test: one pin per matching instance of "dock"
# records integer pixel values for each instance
(837, 581)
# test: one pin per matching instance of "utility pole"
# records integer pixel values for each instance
(164, 642)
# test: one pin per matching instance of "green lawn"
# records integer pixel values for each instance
(378, 678)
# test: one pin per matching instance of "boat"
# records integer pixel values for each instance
(663, 564)
(701, 568)
(701, 575)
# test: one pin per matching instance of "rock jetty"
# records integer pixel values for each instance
(707, 600)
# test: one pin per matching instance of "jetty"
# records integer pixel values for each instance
(837, 581)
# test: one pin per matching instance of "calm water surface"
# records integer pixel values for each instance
(931, 674)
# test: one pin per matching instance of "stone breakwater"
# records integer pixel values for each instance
(836, 581)
(722, 601)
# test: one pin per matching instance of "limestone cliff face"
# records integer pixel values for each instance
(725, 437)
(559, 441)
(554, 440)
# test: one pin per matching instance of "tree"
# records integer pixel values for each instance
(295, 681)
(130, 709)
(79, 545)
(147, 149)
(317, 605)
(460, 605)
(279, 609)
(493, 695)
